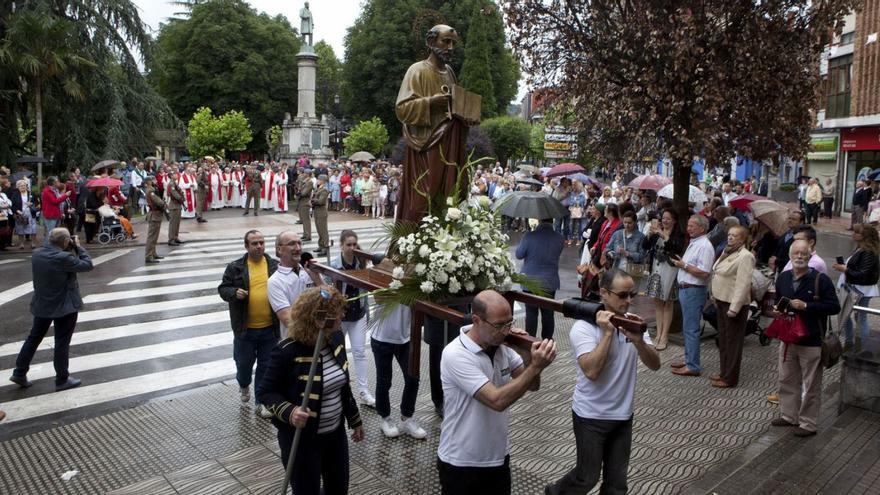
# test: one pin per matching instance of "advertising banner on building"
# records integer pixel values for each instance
(860, 139)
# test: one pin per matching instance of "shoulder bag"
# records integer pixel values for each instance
(831, 348)
(637, 270)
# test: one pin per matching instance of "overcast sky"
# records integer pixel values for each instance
(332, 18)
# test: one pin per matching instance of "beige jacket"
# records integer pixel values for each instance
(732, 278)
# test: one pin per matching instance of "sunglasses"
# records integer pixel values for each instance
(624, 295)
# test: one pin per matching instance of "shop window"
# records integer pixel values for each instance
(847, 38)
(838, 87)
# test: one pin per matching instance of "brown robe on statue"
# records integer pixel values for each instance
(431, 137)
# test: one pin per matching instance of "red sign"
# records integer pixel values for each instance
(860, 139)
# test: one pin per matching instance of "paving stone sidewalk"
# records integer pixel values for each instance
(206, 441)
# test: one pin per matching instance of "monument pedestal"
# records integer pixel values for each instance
(305, 134)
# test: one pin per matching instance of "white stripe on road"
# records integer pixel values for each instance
(155, 291)
(165, 276)
(139, 309)
(88, 395)
(130, 330)
(90, 362)
(26, 288)
(16, 260)
(175, 266)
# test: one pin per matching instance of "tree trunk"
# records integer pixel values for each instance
(38, 107)
(681, 181)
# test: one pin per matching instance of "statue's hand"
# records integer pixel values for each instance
(440, 101)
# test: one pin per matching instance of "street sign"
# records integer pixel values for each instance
(558, 154)
(560, 137)
(557, 146)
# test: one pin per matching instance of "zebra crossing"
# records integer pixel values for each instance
(150, 331)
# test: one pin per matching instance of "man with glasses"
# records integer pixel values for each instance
(481, 380)
(255, 326)
(290, 279)
(606, 360)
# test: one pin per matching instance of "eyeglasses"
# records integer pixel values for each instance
(501, 326)
(624, 295)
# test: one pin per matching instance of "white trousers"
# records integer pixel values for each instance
(357, 337)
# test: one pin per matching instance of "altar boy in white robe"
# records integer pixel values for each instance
(187, 184)
(281, 180)
(267, 194)
(217, 190)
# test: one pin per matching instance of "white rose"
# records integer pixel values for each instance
(427, 287)
(398, 272)
(420, 268)
(442, 278)
(454, 286)
(484, 201)
(395, 284)
(424, 251)
(469, 286)
(449, 201)
(453, 214)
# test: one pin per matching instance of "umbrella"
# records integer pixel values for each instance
(209, 158)
(530, 169)
(104, 164)
(530, 204)
(564, 169)
(31, 159)
(104, 182)
(152, 159)
(653, 181)
(362, 156)
(742, 201)
(873, 174)
(544, 170)
(531, 182)
(695, 195)
(771, 214)
(20, 175)
(586, 180)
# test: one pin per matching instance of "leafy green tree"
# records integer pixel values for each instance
(536, 140)
(475, 73)
(510, 137)
(273, 140)
(210, 135)
(368, 135)
(328, 78)
(228, 57)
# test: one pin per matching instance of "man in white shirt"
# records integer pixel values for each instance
(693, 277)
(290, 279)
(481, 379)
(606, 359)
(727, 193)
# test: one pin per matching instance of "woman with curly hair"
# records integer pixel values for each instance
(323, 449)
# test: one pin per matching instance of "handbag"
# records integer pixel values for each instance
(635, 269)
(90, 218)
(787, 328)
(831, 348)
(576, 211)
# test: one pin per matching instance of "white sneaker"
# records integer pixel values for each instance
(263, 412)
(245, 393)
(411, 427)
(389, 428)
(367, 399)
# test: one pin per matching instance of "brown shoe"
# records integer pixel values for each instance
(721, 384)
(715, 377)
(685, 371)
(677, 364)
(773, 398)
(2, 415)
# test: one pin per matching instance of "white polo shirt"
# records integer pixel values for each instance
(610, 397)
(394, 328)
(472, 434)
(285, 286)
(700, 254)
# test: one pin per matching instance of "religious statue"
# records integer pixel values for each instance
(435, 113)
(307, 24)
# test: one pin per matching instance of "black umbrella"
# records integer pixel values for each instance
(31, 159)
(104, 164)
(20, 175)
(530, 204)
(530, 182)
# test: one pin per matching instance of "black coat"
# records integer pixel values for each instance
(284, 384)
(818, 308)
(56, 289)
(17, 205)
(862, 197)
(863, 268)
(236, 277)
(782, 247)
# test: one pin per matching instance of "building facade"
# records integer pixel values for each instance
(846, 141)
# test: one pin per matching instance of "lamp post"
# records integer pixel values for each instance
(336, 125)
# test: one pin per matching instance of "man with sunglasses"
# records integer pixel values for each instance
(606, 359)
(481, 380)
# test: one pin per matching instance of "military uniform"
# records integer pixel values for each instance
(255, 186)
(201, 195)
(154, 217)
(305, 198)
(319, 202)
(175, 204)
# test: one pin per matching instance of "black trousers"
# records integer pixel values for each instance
(548, 319)
(603, 446)
(64, 326)
(455, 480)
(812, 213)
(318, 457)
(384, 355)
(828, 202)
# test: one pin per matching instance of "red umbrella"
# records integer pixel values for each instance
(654, 182)
(564, 169)
(104, 182)
(742, 201)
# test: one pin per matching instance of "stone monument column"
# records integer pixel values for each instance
(306, 66)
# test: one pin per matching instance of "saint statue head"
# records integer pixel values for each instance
(441, 40)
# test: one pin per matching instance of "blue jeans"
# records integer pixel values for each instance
(577, 229)
(563, 226)
(692, 301)
(384, 354)
(861, 318)
(50, 224)
(255, 344)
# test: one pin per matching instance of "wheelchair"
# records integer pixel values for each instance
(111, 230)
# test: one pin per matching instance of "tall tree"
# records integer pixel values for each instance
(228, 57)
(510, 137)
(328, 78)
(696, 78)
(368, 135)
(475, 73)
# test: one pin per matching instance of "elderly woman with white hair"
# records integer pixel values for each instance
(25, 213)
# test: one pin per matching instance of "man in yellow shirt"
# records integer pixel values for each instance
(245, 288)
(814, 201)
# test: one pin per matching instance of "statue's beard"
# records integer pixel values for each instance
(444, 56)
